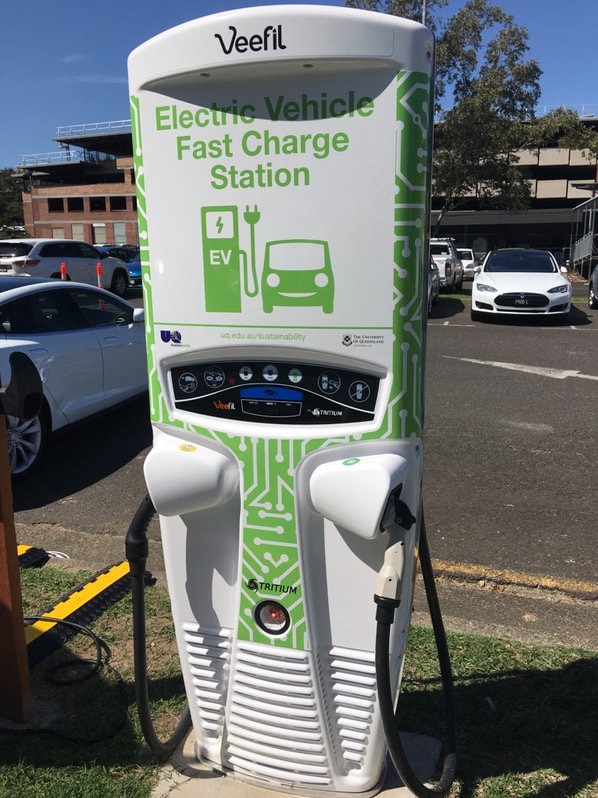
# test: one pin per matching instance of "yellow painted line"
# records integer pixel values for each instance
(76, 600)
(507, 576)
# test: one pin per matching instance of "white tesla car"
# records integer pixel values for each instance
(520, 282)
(88, 346)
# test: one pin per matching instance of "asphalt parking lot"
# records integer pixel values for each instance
(510, 459)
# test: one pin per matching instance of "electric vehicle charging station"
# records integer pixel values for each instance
(282, 161)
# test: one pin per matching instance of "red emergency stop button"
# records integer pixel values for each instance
(272, 617)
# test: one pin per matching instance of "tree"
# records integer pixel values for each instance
(11, 206)
(487, 90)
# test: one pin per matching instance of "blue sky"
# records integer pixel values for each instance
(64, 63)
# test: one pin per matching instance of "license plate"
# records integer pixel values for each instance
(521, 302)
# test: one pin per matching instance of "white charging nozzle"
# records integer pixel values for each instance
(354, 493)
(182, 477)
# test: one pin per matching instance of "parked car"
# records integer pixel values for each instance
(467, 258)
(450, 267)
(593, 290)
(88, 346)
(130, 256)
(42, 257)
(519, 282)
(433, 285)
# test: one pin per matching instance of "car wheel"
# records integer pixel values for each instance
(476, 315)
(459, 285)
(120, 283)
(592, 298)
(26, 441)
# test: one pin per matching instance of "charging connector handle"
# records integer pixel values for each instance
(390, 575)
(397, 516)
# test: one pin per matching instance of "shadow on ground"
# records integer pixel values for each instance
(531, 729)
(447, 307)
(84, 454)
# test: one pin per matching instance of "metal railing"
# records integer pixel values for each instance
(59, 156)
(118, 126)
(65, 157)
(588, 109)
(584, 237)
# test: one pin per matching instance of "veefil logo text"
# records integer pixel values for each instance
(270, 39)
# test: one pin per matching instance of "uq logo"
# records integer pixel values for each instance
(270, 39)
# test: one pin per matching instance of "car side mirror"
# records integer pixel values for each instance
(477, 270)
(104, 255)
(564, 270)
(138, 315)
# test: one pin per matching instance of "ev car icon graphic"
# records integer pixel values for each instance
(297, 272)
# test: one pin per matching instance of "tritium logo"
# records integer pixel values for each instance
(270, 39)
(269, 587)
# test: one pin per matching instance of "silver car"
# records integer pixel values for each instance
(50, 257)
(89, 349)
(467, 258)
(449, 265)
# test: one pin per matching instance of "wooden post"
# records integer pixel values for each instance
(15, 687)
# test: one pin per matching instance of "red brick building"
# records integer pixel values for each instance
(85, 189)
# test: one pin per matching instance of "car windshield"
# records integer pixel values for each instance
(529, 261)
(466, 254)
(291, 255)
(8, 250)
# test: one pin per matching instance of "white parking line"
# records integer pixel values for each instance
(586, 328)
(541, 371)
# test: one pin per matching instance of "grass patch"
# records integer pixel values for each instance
(90, 745)
(527, 714)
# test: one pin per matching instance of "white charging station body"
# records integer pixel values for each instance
(282, 160)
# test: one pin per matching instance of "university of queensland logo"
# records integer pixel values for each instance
(172, 336)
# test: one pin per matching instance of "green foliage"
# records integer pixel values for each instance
(487, 90)
(11, 206)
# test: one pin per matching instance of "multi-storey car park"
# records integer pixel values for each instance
(86, 190)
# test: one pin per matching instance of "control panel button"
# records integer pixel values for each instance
(270, 373)
(295, 376)
(329, 382)
(214, 377)
(245, 373)
(359, 391)
(188, 382)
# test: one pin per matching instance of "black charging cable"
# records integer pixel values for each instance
(385, 613)
(136, 549)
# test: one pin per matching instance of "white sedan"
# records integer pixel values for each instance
(520, 282)
(88, 346)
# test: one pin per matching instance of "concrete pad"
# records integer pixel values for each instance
(185, 777)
